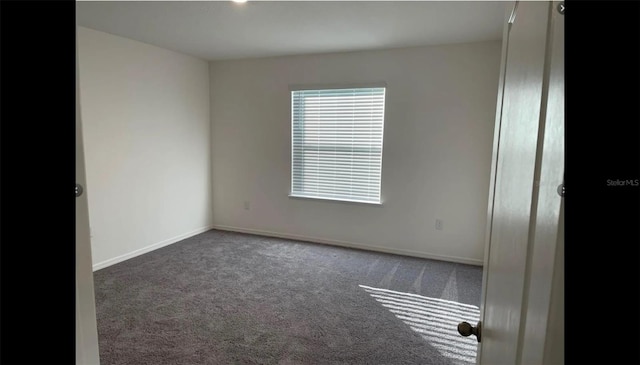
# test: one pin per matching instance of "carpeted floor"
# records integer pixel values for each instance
(231, 298)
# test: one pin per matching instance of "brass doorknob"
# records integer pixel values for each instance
(465, 329)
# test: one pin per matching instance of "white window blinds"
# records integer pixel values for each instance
(337, 143)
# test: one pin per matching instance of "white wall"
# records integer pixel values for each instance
(440, 111)
(146, 121)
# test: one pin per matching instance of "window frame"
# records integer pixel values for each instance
(302, 87)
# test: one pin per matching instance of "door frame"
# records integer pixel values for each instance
(544, 272)
(86, 324)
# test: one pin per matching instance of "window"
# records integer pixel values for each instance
(336, 143)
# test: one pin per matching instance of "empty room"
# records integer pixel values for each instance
(319, 182)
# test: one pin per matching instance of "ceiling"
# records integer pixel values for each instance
(215, 30)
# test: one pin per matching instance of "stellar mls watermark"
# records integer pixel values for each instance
(628, 182)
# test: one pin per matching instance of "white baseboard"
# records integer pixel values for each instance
(456, 259)
(155, 246)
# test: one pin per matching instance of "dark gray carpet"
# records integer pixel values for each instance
(231, 298)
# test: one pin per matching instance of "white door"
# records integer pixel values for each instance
(86, 329)
(524, 205)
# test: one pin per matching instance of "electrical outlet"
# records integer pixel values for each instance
(247, 205)
(439, 224)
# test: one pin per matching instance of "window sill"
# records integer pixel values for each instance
(336, 200)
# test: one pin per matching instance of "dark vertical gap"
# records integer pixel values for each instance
(602, 167)
(37, 152)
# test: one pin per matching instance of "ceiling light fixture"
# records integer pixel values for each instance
(239, 1)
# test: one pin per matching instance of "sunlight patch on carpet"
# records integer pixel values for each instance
(436, 320)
